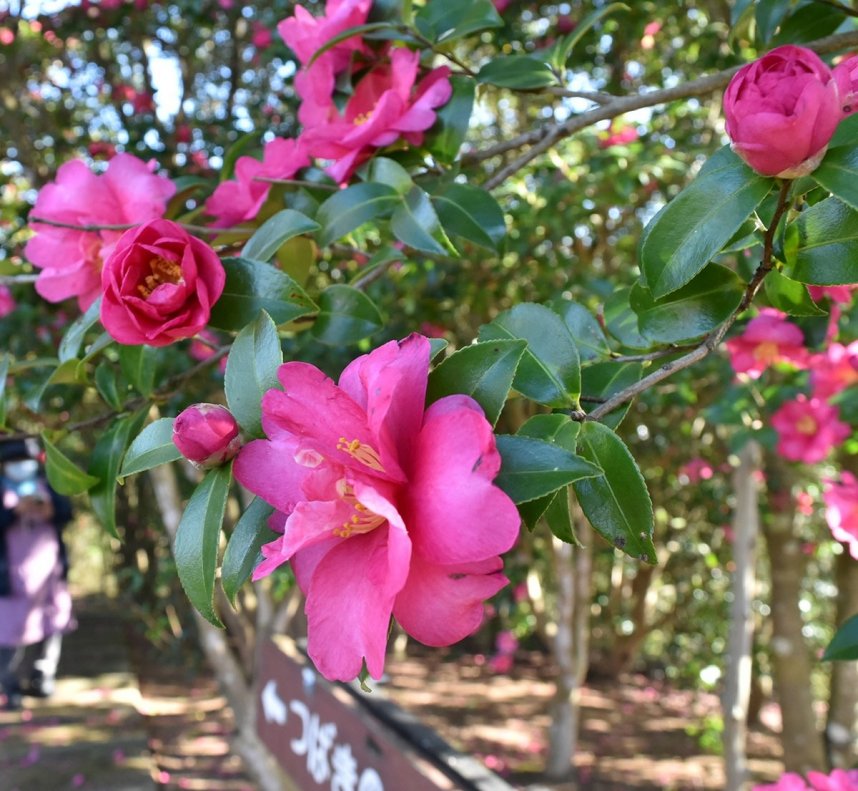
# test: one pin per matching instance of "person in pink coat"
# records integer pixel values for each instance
(35, 604)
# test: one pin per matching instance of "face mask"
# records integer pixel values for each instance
(18, 471)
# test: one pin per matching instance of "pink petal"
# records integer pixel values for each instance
(268, 469)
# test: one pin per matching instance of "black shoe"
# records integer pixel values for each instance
(13, 701)
(39, 687)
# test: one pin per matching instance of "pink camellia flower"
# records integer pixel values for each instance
(240, 199)
(781, 112)
(697, 470)
(846, 76)
(305, 34)
(788, 782)
(207, 435)
(767, 339)
(808, 429)
(386, 507)
(840, 294)
(71, 260)
(834, 370)
(7, 301)
(838, 780)
(159, 285)
(620, 137)
(386, 105)
(841, 510)
(262, 37)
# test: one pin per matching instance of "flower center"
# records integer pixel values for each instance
(361, 521)
(806, 425)
(766, 352)
(361, 119)
(163, 271)
(361, 452)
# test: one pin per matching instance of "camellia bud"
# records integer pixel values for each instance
(207, 435)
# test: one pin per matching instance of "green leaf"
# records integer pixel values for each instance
(447, 20)
(563, 49)
(138, 364)
(236, 150)
(74, 335)
(838, 173)
(105, 383)
(5, 363)
(151, 447)
(452, 120)
(693, 310)
(827, 250)
(251, 370)
(790, 296)
(808, 24)
(844, 644)
(846, 133)
(252, 286)
(518, 72)
(346, 315)
(275, 231)
(588, 335)
(484, 371)
(415, 223)
(533, 468)
(600, 381)
(472, 213)
(697, 223)
(349, 33)
(559, 518)
(105, 462)
(350, 208)
(622, 322)
(550, 370)
(242, 550)
(383, 170)
(616, 502)
(64, 476)
(769, 15)
(195, 548)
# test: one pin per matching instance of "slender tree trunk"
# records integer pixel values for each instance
(737, 688)
(841, 729)
(801, 741)
(242, 696)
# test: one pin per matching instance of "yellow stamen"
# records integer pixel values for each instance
(361, 119)
(766, 352)
(163, 271)
(361, 452)
(806, 425)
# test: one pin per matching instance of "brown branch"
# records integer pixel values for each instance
(714, 338)
(128, 226)
(845, 9)
(543, 138)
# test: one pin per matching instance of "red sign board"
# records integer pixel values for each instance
(325, 739)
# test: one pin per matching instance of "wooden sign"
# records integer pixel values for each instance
(325, 737)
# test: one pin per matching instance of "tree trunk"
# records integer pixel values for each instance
(737, 688)
(841, 729)
(242, 696)
(801, 741)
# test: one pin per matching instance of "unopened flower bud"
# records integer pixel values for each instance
(207, 434)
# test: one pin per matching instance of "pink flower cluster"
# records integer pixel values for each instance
(841, 510)
(386, 508)
(767, 339)
(838, 780)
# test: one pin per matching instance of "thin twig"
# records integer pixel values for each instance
(647, 356)
(297, 183)
(11, 279)
(848, 10)
(543, 138)
(714, 338)
(92, 228)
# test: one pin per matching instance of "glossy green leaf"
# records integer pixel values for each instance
(76, 332)
(838, 173)
(844, 644)
(558, 517)
(242, 552)
(415, 223)
(616, 502)
(550, 370)
(349, 33)
(252, 286)
(790, 296)
(533, 468)
(251, 370)
(472, 213)
(484, 371)
(276, 231)
(769, 15)
(827, 249)
(151, 447)
(447, 20)
(846, 133)
(518, 72)
(64, 476)
(584, 328)
(600, 381)
(5, 364)
(195, 547)
(692, 229)
(346, 315)
(622, 322)
(691, 311)
(383, 170)
(105, 463)
(350, 208)
(809, 23)
(138, 363)
(563, 49)
(107, 386)
(452, 121)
